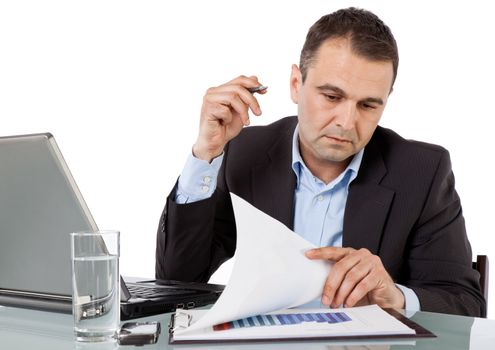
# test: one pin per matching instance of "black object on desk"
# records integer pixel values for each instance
(139, 333)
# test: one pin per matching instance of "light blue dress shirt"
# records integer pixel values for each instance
(319, 207)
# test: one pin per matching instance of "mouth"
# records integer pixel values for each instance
(338, 139)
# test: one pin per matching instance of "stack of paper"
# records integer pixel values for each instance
(365, 321)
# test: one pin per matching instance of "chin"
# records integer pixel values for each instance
(335, 158)
(335, 155)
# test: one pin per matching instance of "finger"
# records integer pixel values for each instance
(247, 83)
(329, 253)
(336, 277)
(351, 281)
(243, 80)
(258, 85)
(240, 108)
(244, 95)
(249, 99)
(231, 100)
(360, 291)
(221, 113)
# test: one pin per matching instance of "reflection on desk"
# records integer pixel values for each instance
(26, 329)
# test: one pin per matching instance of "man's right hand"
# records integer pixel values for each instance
(223, 115)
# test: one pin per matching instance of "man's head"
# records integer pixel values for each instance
(347, 69)
(368, 35)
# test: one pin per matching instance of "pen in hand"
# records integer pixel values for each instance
(260, 88)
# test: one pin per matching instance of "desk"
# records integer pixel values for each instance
(27, 329)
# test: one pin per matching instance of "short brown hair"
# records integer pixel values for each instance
(368, 35)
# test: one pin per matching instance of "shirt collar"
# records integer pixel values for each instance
(298, 164)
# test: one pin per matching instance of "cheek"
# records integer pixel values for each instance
(318, 104)
(311, 124)
(316, 112)
(312, 103)
(365, 130)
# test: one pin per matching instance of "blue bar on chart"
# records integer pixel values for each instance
(284, 319)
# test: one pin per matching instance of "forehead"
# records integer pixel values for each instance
(335, 63)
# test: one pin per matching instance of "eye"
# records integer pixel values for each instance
(332, 98)
(368, 106)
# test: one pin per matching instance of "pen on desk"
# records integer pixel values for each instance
(257, 89)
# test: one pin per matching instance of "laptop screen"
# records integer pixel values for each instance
(40, 205)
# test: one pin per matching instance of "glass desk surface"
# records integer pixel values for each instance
(27, 329)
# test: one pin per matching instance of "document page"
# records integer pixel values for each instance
(270, 272)
(301, 323)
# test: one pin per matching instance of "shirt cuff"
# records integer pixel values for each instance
(411, 299)
(198, 180)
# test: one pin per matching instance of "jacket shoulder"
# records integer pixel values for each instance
(281, 127)
(394, 146)
(257, 140)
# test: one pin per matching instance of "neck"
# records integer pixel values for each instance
(325, 170)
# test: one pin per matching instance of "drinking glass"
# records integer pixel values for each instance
(95, 285)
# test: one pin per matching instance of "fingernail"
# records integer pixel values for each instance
(325, 300)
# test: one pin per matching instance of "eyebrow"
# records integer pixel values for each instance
(336, 89)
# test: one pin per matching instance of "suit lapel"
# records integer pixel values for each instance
(368, 203)
(273, 180)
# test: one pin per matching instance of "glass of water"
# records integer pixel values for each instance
(95, 285)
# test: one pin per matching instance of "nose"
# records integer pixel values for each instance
(347, 115)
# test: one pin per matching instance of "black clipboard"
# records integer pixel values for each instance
(421, 333)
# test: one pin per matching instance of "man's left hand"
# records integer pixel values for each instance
(357, 277)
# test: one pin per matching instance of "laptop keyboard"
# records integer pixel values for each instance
(148, 292)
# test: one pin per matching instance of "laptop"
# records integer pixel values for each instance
(40, 204)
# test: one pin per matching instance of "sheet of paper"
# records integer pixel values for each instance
(368, 320)
(270, 272)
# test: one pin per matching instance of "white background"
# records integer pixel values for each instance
(120, 85)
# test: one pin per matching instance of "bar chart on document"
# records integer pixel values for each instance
(284, 319)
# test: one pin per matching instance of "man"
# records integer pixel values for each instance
(384, 209)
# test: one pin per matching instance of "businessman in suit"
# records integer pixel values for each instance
(382, 208)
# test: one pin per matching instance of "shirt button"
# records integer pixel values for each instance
(204, 189)
(320, 198)
(207, 179)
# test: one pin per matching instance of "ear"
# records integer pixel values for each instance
(295, 83)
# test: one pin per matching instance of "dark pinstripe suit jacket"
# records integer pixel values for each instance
(402, 206)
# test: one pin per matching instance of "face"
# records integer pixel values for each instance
(340, 102)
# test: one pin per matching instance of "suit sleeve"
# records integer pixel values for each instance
(439, 259)
(194, 239)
